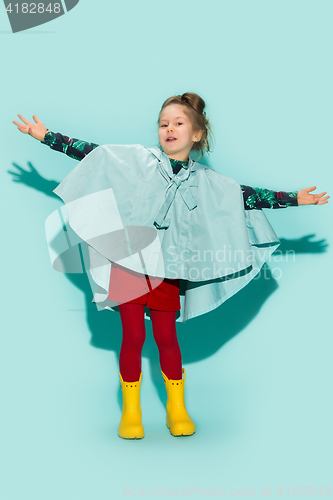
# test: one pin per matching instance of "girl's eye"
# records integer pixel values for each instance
(164, 125)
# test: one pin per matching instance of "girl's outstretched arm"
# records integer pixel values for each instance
(72, 147)
(257, 198)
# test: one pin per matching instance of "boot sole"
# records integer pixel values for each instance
(132, 438)
(182, 435)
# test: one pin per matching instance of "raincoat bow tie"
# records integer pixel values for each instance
(177, 182)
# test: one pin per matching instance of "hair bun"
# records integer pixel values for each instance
(195, 101)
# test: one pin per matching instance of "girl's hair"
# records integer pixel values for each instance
(194, 108)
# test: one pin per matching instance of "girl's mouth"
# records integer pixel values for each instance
(171, 139)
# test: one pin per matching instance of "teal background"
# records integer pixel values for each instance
(259, 368)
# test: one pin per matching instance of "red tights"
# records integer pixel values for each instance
(134, 334)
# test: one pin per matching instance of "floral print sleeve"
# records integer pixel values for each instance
(257, 198)
(71, 147)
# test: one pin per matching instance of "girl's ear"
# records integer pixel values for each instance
(197, 136)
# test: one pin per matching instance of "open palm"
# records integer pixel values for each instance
(37, 130)
(305, 198)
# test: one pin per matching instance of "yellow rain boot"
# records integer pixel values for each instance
(130, 426)
(178, 420)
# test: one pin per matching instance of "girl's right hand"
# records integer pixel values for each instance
(36, 130)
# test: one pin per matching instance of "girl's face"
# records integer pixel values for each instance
(175, 132)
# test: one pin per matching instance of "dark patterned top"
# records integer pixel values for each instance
(254, 197)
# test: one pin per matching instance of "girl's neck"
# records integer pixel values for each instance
(181, 159)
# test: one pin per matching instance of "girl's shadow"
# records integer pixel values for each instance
(200, 337)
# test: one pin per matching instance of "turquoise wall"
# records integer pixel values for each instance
(259, 368)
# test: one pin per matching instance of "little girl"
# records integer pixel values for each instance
(201, 211)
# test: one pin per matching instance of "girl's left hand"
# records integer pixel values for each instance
(305, 198)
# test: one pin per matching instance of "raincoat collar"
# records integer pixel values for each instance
(175, 182)
(162, 157)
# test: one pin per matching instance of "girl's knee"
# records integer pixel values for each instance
(134, 337)
(165, 338)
